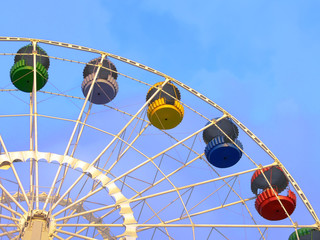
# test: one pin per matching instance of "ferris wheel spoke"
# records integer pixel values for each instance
(69, 212)
(11, 197)
(74, 234)
(77, 232)
(143, 227)
(74, 129)
(83, 106)
(89, 212)
(81, 130)
(15, 172)
(34, 120)
(90, 225)
(66, 192)
(128, 147)
(13, 212)
(12, 218)
(76, 202)
(75, 147)
(221, 225)
(8, 233)
(86, 212)
(55, 235)
(7, 225)
(9, 218)
(171, 225)
(109, 157)
(10, 210)
(14, 115)
(66, 221)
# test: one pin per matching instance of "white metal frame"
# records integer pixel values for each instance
(33, 198)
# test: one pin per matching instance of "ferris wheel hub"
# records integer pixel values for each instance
(36, 225)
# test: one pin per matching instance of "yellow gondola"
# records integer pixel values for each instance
(164, 110)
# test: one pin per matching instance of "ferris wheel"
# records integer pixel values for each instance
(98, 146)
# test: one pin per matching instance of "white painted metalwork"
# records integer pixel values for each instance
(132, 186)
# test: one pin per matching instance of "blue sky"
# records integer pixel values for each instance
(257, 59)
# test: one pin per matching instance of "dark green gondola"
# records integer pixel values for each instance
(305, 234)
(21, 73)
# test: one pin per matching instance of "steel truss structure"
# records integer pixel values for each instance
(110, 173)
